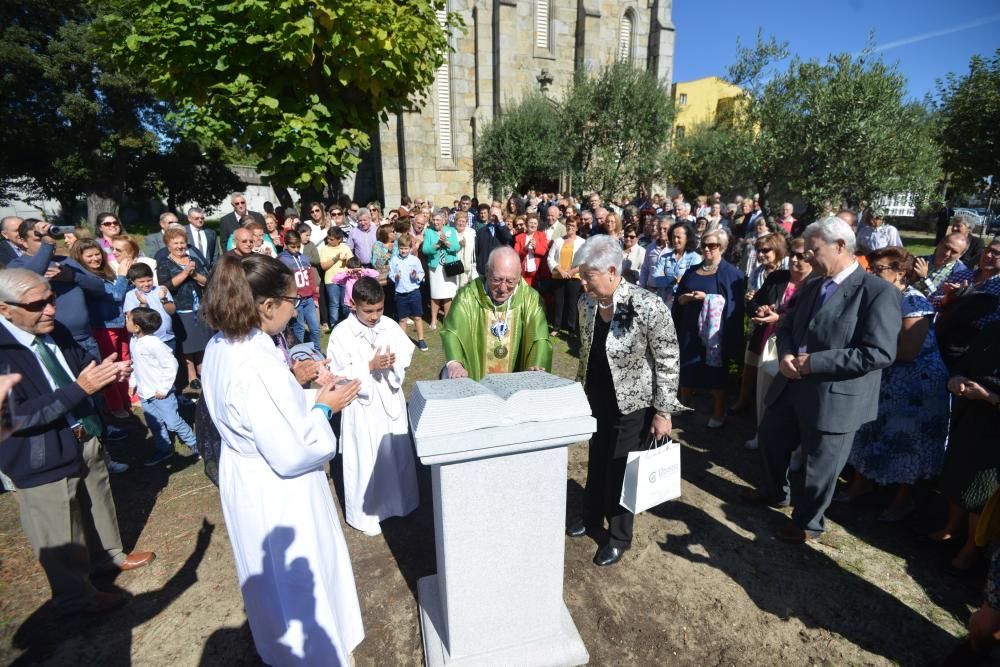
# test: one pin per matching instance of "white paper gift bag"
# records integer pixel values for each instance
(652, 476)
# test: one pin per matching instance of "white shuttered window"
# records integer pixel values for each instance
(625, 32)
(542, 24)
(442, 85)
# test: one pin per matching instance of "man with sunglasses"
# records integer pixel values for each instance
(55, 457)
(231, 221)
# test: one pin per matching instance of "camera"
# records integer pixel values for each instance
(55, 231)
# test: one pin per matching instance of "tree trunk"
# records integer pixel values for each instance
(284, 197)
(99, 202)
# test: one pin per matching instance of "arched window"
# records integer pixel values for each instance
(542, 24)
(626, 37)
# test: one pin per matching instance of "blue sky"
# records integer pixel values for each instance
(927, 38)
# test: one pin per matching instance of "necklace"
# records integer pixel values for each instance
(499, 328)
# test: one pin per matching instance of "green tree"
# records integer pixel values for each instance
(618, 124)
(969, 107)
(300, 83)
(72, 123)
(711, 158)
(522, 149)
(834, 131)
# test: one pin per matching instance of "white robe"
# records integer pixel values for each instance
(380, 477)
(291, 557)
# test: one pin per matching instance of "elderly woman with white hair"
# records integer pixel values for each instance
(708, 313)
(629, 369)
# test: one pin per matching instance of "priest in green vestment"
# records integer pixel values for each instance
(496, 324)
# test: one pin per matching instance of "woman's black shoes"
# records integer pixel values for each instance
(577, 529)
(608, 555)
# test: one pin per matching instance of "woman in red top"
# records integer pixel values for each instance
(532, 247)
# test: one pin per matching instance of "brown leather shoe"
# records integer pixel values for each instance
(794, 535)
(136, 559)
(104, 602)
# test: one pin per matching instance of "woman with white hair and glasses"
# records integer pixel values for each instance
(629, 369)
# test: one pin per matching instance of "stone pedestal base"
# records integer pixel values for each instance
(561, 649)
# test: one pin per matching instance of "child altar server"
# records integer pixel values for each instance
(380, 479)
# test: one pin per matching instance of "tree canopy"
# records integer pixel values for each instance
(618, 124)
(969, 108)
(610, 133)
(839, 130)
(73, 123)
(522, 149)
(300, 83)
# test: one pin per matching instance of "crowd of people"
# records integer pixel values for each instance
(848, 351)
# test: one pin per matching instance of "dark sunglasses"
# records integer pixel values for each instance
(631, 236)
(111, 223)
(799, 256)
(711, 246)
(34, 306)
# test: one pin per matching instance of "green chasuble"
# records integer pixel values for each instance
(467, 337)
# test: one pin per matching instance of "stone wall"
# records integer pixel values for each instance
(582, 34)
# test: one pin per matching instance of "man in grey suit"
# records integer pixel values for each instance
(231, 221)
(832, 347)
(200, 237)
(154, 242)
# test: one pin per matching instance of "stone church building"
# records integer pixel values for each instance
(509, 47)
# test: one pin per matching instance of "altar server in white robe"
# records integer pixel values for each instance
(291, 558)
(380, 477)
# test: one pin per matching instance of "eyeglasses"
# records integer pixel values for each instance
(110, 223)
(507, 282)
(711, 246)
(294, 300)
(34, 306)
(240, 202)
(336, 213)
(800, 256)
(993, 252)
(315, 210)
(880, 268)
(631, 236)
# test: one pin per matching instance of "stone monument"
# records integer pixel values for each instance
(499, 517)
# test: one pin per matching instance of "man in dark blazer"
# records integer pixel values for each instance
(493, 234)
(201, 238)
(230, 221)
(54, 455)
(11, 246)
(832, 347)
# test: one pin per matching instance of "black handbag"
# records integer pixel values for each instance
(455, 268)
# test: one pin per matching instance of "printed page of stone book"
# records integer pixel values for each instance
(444, 407)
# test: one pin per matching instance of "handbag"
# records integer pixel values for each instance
(652, 476)
(455, 268)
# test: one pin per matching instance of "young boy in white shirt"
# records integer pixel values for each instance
(146, 293)
(154, 369)
(380, 478)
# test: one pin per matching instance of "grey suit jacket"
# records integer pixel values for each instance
(153, 244)
(850, 339)
(211, 240)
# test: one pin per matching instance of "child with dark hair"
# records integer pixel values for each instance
(154, 369)
(380, 479)
(307, 291)
(333, 256)
(147, 294)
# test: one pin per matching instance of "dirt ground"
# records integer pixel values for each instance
(705, 582)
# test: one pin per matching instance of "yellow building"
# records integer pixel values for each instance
(702, 102)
